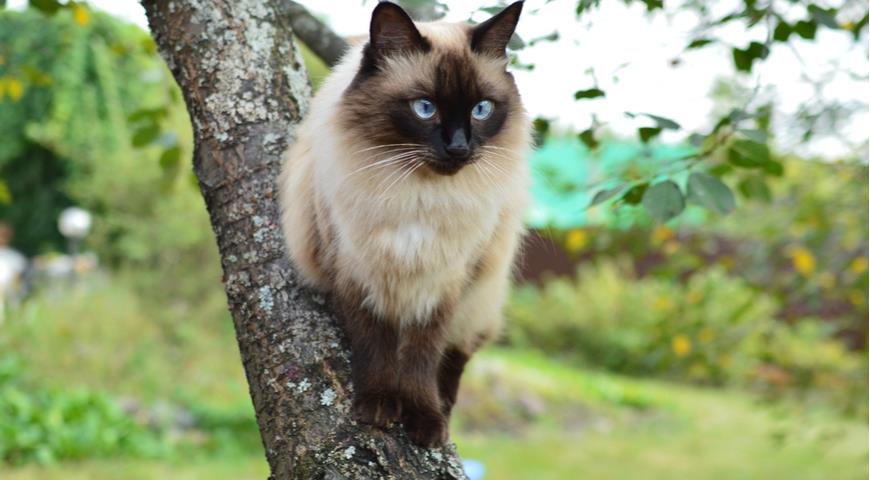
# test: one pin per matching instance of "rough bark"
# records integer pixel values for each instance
(246, 90)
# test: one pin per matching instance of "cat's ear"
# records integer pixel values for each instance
(392, 32)
(492, 36)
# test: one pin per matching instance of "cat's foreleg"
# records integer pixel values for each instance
(374, 345)
(421, 349)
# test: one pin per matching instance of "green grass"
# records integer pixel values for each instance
(246, 468)
(682, 432)
(105, 336)
(523, 415)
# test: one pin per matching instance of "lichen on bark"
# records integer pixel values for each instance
(246, 90)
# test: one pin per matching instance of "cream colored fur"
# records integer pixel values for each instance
(418, 244)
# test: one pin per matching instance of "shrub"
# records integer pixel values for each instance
(44, 425)
(712, 329)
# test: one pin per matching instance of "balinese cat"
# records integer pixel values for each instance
(403, 196)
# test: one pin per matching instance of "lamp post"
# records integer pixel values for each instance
(74, 223)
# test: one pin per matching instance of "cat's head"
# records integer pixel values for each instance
(438, 93)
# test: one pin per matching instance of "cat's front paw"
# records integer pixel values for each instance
(377, 409)
(426, 429)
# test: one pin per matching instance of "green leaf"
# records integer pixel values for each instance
(588, 138)
(540, 129)
(699, 42)
(552, 37)
(647, 133)
(606, 194)
(806, 29)
(759, 136)
(170, 157)
(757, 50)
(5, 194)
(664, 201)
(782, 32)
(710, 192)
(653, 4)
(721, 169)
(635, 194)
(590, 93)
(755, 187)
(145, 135)
(662, 122)
(153, 114)
(824, 16)
(773, 168)
(858, 27)
(49, 7)
(748, 154)
(742, 60)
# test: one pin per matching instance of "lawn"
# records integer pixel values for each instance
(563, 422)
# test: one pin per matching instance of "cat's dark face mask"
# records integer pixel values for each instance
(453, 108)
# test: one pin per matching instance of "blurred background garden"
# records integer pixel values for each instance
(692, 301)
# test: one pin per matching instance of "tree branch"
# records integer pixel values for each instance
(313, 33)
(246, 90)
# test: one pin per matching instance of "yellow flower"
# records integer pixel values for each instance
(661, 234)
(858, 265)
(577, 240)
(681, 345)
(14, 88)
(803, 261)
(81, 14)
(857, 297)
(694, 296)
(726, 261)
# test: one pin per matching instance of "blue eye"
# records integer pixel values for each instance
(423, 108)
(482, 110)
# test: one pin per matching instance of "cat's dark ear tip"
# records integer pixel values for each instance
(385, 6)
(518, 5)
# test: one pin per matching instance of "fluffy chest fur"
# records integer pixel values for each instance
(415, 244)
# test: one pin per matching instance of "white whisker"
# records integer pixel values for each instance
(387, 161)
(387, 146)
(405, 175)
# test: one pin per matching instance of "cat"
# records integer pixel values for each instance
(403, 197)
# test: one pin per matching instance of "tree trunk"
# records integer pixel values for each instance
(246, 91)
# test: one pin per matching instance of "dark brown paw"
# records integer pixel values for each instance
(426, 429)
(377, 410)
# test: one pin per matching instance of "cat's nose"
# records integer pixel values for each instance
(458, 147)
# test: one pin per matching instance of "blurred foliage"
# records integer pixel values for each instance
(44, 425)
(775, 300)
(66, 138)
(121, 383)
(804, 243)
(714, 329)
(737, 147)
